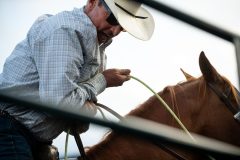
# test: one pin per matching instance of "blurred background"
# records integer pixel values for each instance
(157, 62)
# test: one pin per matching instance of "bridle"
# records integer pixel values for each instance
(224, 97)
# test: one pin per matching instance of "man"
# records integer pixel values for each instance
(62, 61)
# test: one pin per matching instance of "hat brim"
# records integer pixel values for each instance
(141, 28)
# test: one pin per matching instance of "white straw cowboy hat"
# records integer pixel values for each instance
(132, 17)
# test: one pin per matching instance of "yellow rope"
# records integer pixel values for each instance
(66, 145)
(166, 106)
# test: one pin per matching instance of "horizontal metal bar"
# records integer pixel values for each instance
(237, 49)
(210, 28)
(151, 131)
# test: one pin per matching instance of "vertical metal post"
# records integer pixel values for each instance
(237, 48)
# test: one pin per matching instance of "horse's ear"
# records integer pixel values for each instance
(209, 72)
(187, 76)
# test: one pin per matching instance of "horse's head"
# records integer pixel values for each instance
(222, 102)
(219, 84)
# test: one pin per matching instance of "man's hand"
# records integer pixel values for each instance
(116, 77)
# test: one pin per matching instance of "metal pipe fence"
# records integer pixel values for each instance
(154, 132)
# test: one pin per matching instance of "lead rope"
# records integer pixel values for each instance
(66, 145)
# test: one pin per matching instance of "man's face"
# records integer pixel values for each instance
(100, 17)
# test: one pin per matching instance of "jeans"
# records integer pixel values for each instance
(13, 145)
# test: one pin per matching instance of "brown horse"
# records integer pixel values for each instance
(197, 106)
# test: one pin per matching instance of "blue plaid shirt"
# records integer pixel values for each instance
(60, 61)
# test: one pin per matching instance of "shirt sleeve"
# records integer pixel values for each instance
(59, 61)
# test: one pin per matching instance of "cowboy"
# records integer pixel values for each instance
(62, 61)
